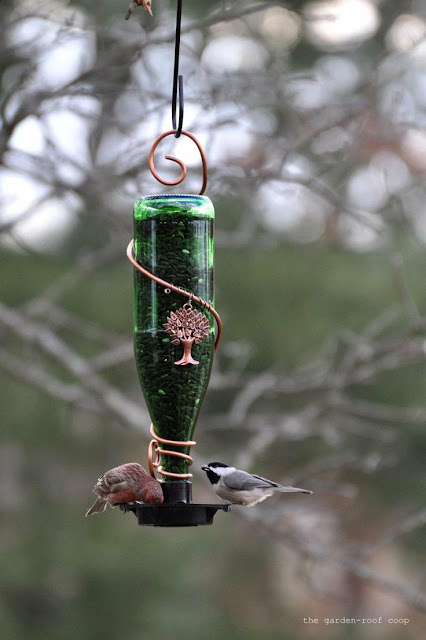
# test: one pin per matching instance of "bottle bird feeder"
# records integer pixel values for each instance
(174, 341)
(174, 327)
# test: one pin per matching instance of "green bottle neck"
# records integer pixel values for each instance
(155, 206)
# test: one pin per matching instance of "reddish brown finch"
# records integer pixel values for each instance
(127, 483)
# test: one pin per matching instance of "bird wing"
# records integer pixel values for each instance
(243, 481)
(110, 482)
(268, 482)
(119, 486)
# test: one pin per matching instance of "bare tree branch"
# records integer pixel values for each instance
(129, 413)
(352, 564)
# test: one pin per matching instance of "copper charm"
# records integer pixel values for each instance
(186, 326)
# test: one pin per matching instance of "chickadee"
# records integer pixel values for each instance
(240, 487)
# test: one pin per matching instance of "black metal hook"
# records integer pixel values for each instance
(177, 79)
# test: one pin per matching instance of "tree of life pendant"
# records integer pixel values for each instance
(187, 326)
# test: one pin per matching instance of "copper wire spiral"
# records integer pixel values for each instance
(154, 445)
(184, 171)
(172, 287)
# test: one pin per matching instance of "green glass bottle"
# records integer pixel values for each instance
(173, 239)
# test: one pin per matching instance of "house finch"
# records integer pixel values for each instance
(127, 483)
(146, 4)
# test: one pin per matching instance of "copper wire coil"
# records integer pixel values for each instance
(154, 446)
(172, 287)
(183, 168)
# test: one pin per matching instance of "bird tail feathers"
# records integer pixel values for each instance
(292, 490)
(98, 507)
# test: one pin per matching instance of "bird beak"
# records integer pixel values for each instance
(205, 468)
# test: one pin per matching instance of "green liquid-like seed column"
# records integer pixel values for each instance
(173, 239)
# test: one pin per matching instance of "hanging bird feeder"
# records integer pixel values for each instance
(174, 326)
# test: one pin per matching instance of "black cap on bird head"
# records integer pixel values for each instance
(213, 470)
(214, 465)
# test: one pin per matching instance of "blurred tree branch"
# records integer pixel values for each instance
(351, 564)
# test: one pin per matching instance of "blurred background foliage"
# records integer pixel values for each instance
(313, 116)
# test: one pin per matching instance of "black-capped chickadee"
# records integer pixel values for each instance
(240, 487)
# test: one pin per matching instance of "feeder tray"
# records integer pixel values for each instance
(174, 515)
(178, 511)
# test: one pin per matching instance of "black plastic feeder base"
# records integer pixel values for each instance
(174, 515)
(177, 510)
